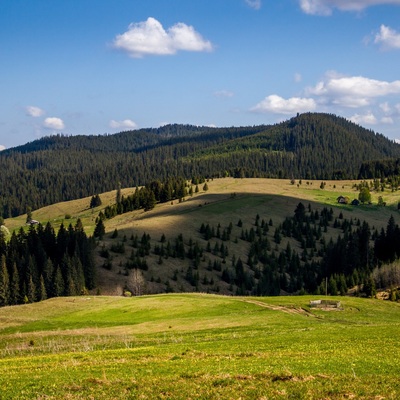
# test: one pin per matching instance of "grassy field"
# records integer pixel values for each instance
(196, 346)
(278, 195)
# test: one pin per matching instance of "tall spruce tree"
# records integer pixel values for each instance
(4, 283)
(15, 293)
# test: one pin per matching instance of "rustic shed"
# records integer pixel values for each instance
(332, 304)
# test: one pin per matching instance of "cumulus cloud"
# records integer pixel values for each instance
(353, 91)
(256, 4)
(385, 107)
(33, 111)
(54, 123)
(150, 38)
(368, 119)
(388, 38)
(278, 105)
(2, 147)
(125, 124)
(325, 7)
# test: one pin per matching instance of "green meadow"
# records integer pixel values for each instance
(197, 346)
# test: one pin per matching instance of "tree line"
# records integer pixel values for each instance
(40, 263)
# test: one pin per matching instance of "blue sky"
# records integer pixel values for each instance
(104, 66)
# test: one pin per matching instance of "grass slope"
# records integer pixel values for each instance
(226, 201)
(182, 346)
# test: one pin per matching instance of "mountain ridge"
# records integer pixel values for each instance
(308, 146)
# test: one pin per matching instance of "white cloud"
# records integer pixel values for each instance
(385, 107)
(353, 91)
(278, 105)
(256, 4)
(388, 38)
(150, 38)
(223, 93)
(325, 7)
(54, 123)
(368, 119)
(33, 111)
(397, 141)
(2, 147)
(387, 120)
(125, 124)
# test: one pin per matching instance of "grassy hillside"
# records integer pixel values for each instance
(199, 346)
(227, 201)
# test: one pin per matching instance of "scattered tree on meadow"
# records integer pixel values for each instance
(95, 201)
(364, 195)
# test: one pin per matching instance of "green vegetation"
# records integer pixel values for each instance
(310, 146)
(199, 346)
(275, 249)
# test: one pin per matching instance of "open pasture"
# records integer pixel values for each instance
(278, 196)
(182, 346)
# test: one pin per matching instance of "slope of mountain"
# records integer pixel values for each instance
(60, 168)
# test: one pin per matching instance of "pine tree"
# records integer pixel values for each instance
(369, 287)
(95, 201)
(47, 275)
(15, 295)
(31, 290)
(118, 197)
(28, 215)
(58, 283)
(42, 295)
(4, 283)
(99, 230)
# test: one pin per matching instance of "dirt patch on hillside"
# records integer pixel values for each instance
(286, 309)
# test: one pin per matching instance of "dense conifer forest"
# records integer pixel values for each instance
(41, 263)
(309, 146)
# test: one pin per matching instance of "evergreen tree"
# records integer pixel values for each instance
(118, 196)
(332, 286)
(28, 215)
(15, 295)
(58, 283)
(42, 295)
(4, 283)
(31, 290)
(369, 287)
(149, 200)
(99, 230)
(95, 201)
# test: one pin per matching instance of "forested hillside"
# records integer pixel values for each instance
(59, 168)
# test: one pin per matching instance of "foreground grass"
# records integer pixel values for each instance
(199, 346)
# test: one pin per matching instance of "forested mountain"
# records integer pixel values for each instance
(59, 168)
